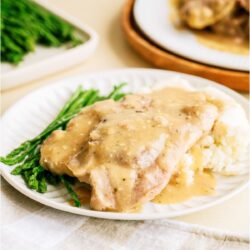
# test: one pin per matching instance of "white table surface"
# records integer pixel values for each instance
(114, 52)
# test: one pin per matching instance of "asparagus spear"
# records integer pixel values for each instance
(25, 24)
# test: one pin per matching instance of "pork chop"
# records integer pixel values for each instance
(127, 151)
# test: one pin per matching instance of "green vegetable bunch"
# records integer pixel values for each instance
(25, 24)
(27, 156)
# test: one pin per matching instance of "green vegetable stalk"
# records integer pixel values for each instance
(25, 24)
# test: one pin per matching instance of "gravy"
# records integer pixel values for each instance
(222, 43)
(204, 184)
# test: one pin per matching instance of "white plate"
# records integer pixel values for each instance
(44, 61)
(153, 18)
(31, 114)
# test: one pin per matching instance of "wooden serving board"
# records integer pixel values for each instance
(161, 58)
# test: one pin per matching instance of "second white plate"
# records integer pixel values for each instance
(33, 113)
(153, 18)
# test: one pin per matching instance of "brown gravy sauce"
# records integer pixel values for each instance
(221, 43)
(204, 184)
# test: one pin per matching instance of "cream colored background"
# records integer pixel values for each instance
(114, 52)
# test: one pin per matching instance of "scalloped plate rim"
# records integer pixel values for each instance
(114, 215)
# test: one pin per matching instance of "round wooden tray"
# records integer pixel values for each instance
(237, 80)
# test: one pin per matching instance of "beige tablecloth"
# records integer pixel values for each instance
(27, 225)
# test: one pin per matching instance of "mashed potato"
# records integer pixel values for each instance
(224, 145)
(228, 139)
